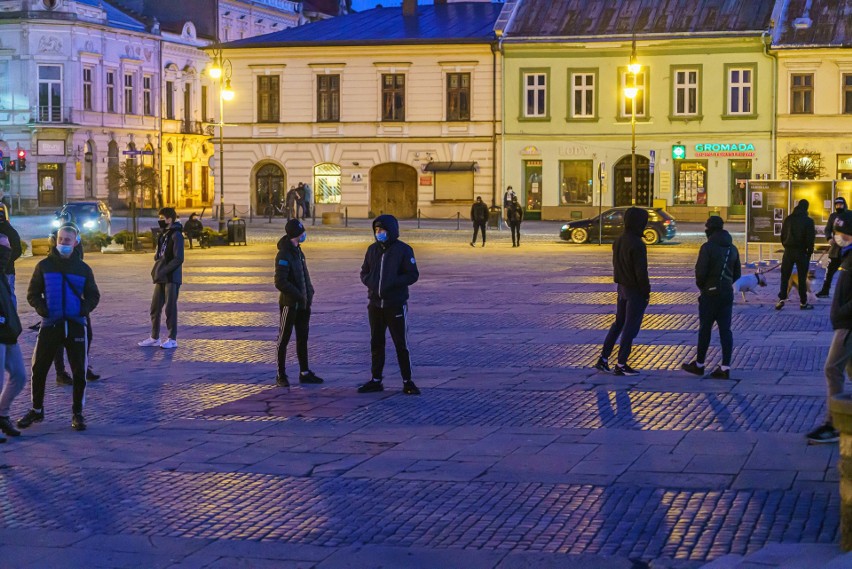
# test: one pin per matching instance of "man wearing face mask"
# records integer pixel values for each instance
(15, 244)
(63, 292)
(294, 303)
(833, 248)
(167, 275)
(389, 269)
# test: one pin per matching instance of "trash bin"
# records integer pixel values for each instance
(494, 213)
(236, 231)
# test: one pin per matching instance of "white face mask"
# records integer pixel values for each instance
(841, 242)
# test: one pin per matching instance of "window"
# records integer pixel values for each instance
(110, 91)
(87, 88)
(740, 81)
(627, 80)
(690, 182)
(327, 183)
(802, 93)
(847, 93)
(393, 97)
(147, 107)
(686, 92)
(268, 93)
(204, 116)
(535, 95)
(50, 93)
(575, 182)
(454, 186)
(128, 93)
(458, 96)
(170, 100)
(328, 98)
(583, 95)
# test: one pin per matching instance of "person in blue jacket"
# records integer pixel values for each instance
(389, 269)
(63, 292)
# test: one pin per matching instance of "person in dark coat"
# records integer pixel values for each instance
(16, 250)
(797, 236)
(630, 272)
(479, 217)
(514, 217)
(837, 363)
(389, 269)
(294, 302)
(716, 270)
(193, 229)
(292, 201)
(11, 359)
(833, 248)
(167, 275)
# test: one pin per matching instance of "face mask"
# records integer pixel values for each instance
(382, 236)
(839, 208)
(162, 223)
(302, 237)
(65, 250)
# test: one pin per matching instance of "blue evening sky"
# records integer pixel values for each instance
(361, 5)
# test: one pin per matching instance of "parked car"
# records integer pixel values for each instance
(89, 216)
(661, 227)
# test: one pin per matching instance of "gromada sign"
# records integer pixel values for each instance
(732, 150)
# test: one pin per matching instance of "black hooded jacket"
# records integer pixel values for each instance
(630, 255)
(10, 328)
(389, 268)
(15, 241)
(841, 303)
(291, 276)
(713, 276)
(797, 231)
(168, 260)
(479, 212)
(834, 248)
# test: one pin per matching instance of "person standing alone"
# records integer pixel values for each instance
(514, 217)
(833, 248)
(479, 217)
(168, 276)
(797, 236)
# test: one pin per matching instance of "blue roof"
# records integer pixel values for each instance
(459, 22)
(115, 17)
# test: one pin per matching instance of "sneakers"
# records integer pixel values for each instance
(822, 294)
(309, 377)
(823, 435)
(149, 343)
(601, 365)
(31, 417)
(169, 344)
(779, 305)
(693, 368)
(720, 373)
(806, 306)
(471, 244)
(625, 369)
(282, 381)
(372, 386)
(62, 378)
(78, 422)
(91, 375)
(7, 428)
(409, 388)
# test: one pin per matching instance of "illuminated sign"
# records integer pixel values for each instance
(530, 151)
(731, 150)
(678, 151)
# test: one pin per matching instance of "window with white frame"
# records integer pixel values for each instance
(128, 94)
(740, 89)
(88, 88)
(535, 95)
(50, 93)
(638, 81)
(147, 102)
(846, 85)
(583, 95)
(802, 93)
(110, 91)
(686, 92)
(170, 100)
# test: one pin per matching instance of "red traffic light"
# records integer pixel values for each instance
(22, 153)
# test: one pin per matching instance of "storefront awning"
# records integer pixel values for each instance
(450, 167)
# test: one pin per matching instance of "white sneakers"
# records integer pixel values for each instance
(168, 344)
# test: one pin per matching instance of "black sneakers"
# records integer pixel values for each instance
(282, 381)
(8, 428)
(78, 422)
(31, 417)
(602, 365)
(720, 373)
(372, 386)
(625, 369)
(309, 377)
(806, 306)
(62, 378)
(779, 305)
(693, 368)
(409, 388)
(91, 375)
(823, 435)
(822, 294)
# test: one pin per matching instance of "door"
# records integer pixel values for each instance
(739, 175)
(531, 200)
(622, 173)
(89, 171)
(50, 184)
(393, 190)
(205, 185)
(269, 187)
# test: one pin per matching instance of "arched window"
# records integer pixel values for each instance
(269, 186)
(327, 183)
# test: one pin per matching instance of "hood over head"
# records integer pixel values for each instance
(802, 207)
(720, 237)
(390, 224)
(840, 200)
(635, 220)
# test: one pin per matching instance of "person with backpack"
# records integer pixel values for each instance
(514, 217)
(716, 270)
(797, 236)
(479, 217)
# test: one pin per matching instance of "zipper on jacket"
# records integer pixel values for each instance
(381, 271)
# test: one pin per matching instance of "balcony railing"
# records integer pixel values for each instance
(51, 114)
(285, 5)
(192, 127)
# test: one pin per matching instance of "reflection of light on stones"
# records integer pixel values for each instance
(261, 319)
(229, 297)
(605, 279)
(690, 298)
(226, 351)
(233, 279)
(231, 269)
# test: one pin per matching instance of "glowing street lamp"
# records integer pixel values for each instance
(221, 71)
(631, 92)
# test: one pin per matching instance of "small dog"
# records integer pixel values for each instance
(749, 283)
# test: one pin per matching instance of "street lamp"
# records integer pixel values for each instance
(631, 92)
(221, 71)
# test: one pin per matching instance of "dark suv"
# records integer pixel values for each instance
(661, 227)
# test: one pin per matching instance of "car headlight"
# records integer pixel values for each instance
(565, 227)
(55, 223)
(89, 224)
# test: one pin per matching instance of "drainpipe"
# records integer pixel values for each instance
(773, 135)
(494, 48)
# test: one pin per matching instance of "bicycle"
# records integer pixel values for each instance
(271, 210)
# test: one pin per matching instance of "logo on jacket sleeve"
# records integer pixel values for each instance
(413, 262)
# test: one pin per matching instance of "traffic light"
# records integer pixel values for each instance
(13, 166)
(22, 160)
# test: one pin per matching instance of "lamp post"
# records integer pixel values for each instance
(632, 93)
(221, 71)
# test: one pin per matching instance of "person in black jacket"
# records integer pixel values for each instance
(797, 236)
(16, 250)
(630, 272)
(389, 269)
(167, 275)
(294, 302)
(514, 217)
(716, 270)
(479, 217)
(840, 352)
(193, 229)
(11, 359)
(63, 292)
(833, 249)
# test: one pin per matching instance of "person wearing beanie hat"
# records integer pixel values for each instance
(840, 351)
(797, 236)
(833, 249)
(716, 270)
(293, 281)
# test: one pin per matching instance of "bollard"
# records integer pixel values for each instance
(418, 218)
(841, 416)
(346, 217)
(458, 220)
(314, 215)
(233, 211)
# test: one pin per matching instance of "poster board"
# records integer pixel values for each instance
(819, 194)
(767, 204)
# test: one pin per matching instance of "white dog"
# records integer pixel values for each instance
(749, 283)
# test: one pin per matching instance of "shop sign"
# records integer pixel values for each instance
(51, 148)
(723, 150)
(530, 151)
(425, 180)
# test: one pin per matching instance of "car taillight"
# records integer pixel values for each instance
(667, 222)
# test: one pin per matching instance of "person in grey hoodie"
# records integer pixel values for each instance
(167, 275)
(630, 272)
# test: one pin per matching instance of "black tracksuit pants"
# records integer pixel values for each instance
(73, 338)
(392, 319)
(477, 225)
(629, 311)
(59, 358)
(800, 259)
(715, 309)
(292, 317)
(833, 265)
(516, 232)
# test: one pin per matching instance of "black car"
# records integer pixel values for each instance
(661, 227)
(89, 216)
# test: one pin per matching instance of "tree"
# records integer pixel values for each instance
(801, 164)
(133, 178)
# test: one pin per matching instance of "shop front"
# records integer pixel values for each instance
(532, 189)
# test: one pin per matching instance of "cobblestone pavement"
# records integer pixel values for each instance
(516, 455)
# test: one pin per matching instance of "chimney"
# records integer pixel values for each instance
(409, 7)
